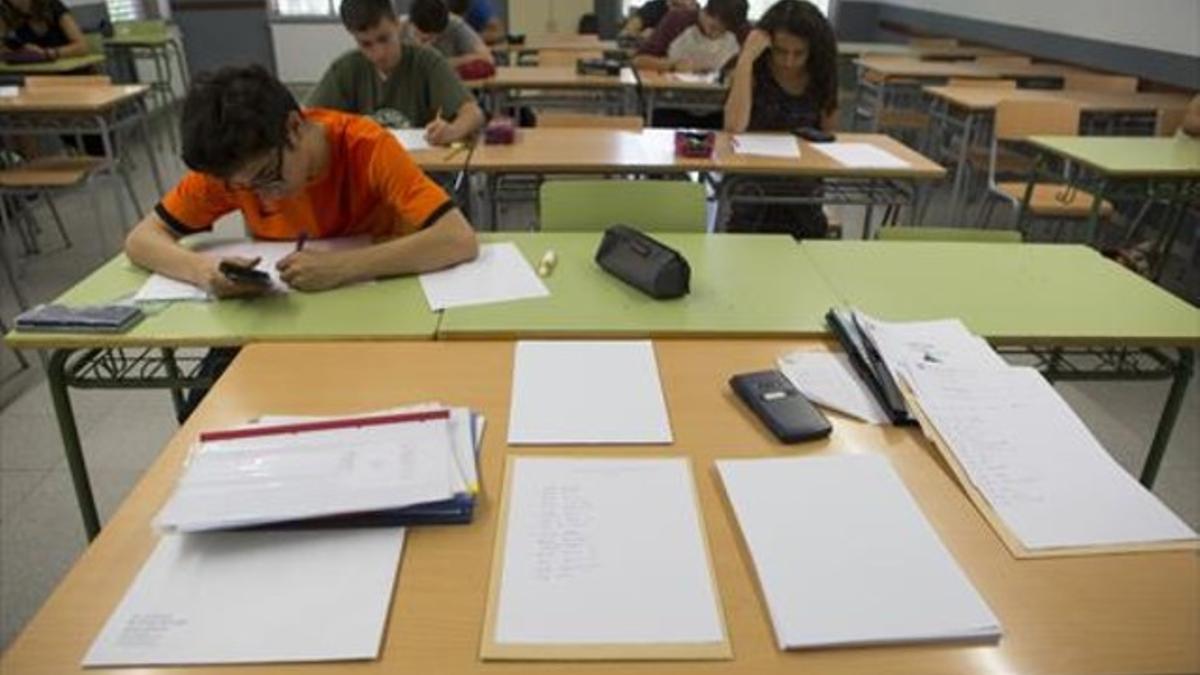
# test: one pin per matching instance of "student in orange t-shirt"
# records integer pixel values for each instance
(296, 173)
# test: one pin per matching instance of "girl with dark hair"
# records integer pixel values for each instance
(42, 27)
(785, 79)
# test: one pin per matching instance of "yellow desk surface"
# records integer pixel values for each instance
(902, 67)
(92, 98)
(560, 42)
(1134, 613)
(551, 77)
(986, 98)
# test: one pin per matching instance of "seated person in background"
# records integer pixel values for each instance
(480, 15)
(694, 40)
(296, 172)
(646, 18)
(784, 79)
(41, 27)
(429, 23)
(400, 85)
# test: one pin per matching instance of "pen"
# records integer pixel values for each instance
(300, 242)
(455, 148)
(546, 266)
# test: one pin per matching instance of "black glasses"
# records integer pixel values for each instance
(271, 180)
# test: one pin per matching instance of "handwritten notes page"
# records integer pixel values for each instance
(829, 380)
(1036, 464)
(603, 553)
(255, 597)
(845, 556)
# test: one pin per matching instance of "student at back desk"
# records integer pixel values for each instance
(481, 16)
(429, 23)
(401, 85)
(42, 28)
(785, 79)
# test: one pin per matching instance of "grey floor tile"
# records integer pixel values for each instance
(15, 487)
(134, 433)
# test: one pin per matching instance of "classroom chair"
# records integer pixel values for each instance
(949, 234)
(981, 83)
(652, 205)
(1168, 120)
(1118, 84)
(1060, 202)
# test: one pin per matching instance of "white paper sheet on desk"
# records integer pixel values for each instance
(605, 551)
(766, 145)
(860, 155)
(413, 140)
(255, 597)
(696, 78)
(1037, 464)
(9, 92)
(845, 557)
(945, 342)
(829, 380)
(499, 274)
(567, 392)
(293, 476)
(159, 288)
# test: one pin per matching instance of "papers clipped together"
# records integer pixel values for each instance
(408, 467)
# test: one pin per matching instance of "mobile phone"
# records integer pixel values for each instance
(244, 275)
(777, 402)
(814, 135)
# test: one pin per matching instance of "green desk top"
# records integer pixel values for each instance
(742, 285)
(1008, 293)
(134, 40)
(1177, 157)
(60, 66)
(384, 310)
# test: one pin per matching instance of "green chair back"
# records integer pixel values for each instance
(592, 205)
(974, 235)
(147, 28)
(95, 42)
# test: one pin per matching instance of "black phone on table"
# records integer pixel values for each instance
(244, 275)
(777, 402)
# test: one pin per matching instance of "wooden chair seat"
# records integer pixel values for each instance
(898, 118)
(50, 172)
(1047, 200)
(1007, 161)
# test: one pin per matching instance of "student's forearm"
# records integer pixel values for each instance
(73, 49)
(741, 98)
(447, 242)
(633, 27)
(468, 120)
(150, 247)
(648, 62)
(484, 54)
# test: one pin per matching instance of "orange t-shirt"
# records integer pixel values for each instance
(370, 186)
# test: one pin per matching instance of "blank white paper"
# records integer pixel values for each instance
(1037, 464)
(255, 597)
(845, 557)
(499, 274)
(766, 145)
(294, 476)
(861, 155)
(413, 140)
(829, 380)
(567, 392)
(605, 551)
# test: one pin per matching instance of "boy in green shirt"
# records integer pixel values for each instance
(400, 85)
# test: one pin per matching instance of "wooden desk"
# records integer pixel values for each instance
(145, 357)
(70, 99)
(959, 113)
(742, 285)
(1133, 613)
(65, 66)
(556, 86)
(677, 90)
(157, 44)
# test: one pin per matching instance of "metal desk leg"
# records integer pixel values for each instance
(144, 125)
(57, 379)
(1093, 222)
(960, 172)
(1166, 423)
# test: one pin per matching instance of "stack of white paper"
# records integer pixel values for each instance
(829, 380)
(413, 140)
(845, 557)
(567, 392)
(767, 145)
(255, 597)
(1037, 465)
(159, 288)
(604, 552)
(396, 466)
(499, 274)
(861, 156)
(944, 342)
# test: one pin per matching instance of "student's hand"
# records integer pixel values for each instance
(221, 286)
(684, 65)
(757, 42)
(314, 270)
(34, 49)
(438, 132)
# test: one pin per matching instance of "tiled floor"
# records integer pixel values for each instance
(40, 531)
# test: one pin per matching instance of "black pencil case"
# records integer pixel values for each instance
(644, 263)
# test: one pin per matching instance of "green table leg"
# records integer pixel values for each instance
(1166, 423)
(57, 377)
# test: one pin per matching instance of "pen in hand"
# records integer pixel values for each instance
(300, 242)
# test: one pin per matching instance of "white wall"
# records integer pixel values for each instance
(1164, 25)
(536, 17)
(304, 50)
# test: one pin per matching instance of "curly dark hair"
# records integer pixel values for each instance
(459, 7)
(232, 116)
(429, 16)
(360, 15)
(802, 19)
